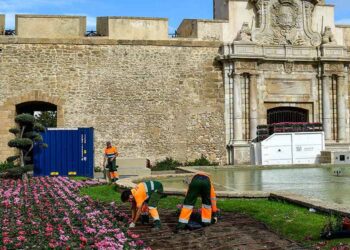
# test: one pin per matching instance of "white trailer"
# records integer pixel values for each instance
(288, 149)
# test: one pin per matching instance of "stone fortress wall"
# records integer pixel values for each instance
(152, 96)
(156, 96)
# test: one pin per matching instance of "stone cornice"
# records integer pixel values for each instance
(252, 51)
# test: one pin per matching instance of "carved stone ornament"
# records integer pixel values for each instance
(328, 37)
(289, 67)
(245, 34)
(285, 22)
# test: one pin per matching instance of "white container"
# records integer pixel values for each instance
(288, 149)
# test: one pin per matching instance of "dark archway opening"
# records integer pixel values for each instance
(44, 112)
(287, 114)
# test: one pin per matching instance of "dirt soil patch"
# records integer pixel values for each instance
(234, 231)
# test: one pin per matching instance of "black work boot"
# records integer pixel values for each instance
(144, 219)
(156, 225)
(180, 227)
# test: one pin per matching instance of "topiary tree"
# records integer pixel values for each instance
(27, 134)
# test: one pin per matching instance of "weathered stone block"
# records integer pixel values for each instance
(133, 28)
(45, 26)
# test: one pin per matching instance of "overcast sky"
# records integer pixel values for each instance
(175, 10)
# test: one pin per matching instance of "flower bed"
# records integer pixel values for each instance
(49, 213)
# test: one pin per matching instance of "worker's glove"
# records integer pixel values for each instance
(132, 225)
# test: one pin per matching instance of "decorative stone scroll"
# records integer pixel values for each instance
(285, 22)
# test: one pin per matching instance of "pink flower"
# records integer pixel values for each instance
(6, 240)
(21, 238)
(64, 238)
(90, 230)
(53, 244)
(83, 239)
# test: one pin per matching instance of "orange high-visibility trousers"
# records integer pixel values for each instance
(114, 175)
(199, 186)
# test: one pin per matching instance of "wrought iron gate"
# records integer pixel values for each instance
(287, 114)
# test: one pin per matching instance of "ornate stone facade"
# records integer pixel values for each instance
(286, 64)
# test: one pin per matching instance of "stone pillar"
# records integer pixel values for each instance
(253, 105)
(229, 110)
(342, 92)
(237, 109)
(326, 105)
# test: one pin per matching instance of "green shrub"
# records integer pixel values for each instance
(98, 169)
(25, 119)
(12, 158)
(15, 173)
(38, 127)
(14, 131)
(21, 143)
(167, 164)
(203, 161)
(6, 165)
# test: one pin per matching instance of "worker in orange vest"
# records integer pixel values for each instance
(145, 193)
(200, 185)
(110, 154)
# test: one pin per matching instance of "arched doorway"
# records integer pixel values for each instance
(287, 114)
(44, 112)
(12, 105)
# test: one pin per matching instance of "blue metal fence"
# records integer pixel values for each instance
(70, 152)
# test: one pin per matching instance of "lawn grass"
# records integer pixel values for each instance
(291, 221)
(79, 178)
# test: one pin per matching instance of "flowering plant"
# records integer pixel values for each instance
(48, 213)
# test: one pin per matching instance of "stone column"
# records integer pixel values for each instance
(341, 107)
(326, 105)
(237, 109)
(253, 105)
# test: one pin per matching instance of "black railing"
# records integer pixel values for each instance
(10, 33)
(91, 33)
(173, 35)
(264, 131)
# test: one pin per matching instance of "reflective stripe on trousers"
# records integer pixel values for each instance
(185, 214)
(147, 190)
(213, 199)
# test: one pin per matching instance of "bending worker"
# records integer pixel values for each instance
(109, 155)
(200, 185)
(148, 192)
